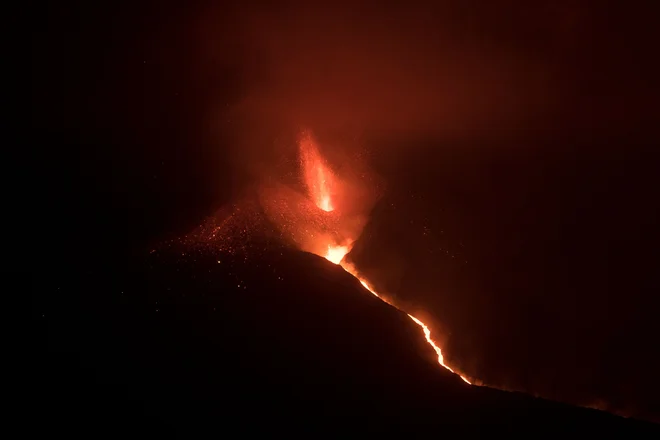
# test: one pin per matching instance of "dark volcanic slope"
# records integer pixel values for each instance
(540, 262)
(200, 342)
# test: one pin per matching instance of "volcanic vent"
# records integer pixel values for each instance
(324, 215)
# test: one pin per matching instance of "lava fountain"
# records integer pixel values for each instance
(320, 182)
(317, 175)
(324, 221)
(328, 224)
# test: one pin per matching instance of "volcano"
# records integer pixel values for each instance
(432, 193)
(282, 341)
(279, 314)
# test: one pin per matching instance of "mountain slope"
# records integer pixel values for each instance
(194, 341)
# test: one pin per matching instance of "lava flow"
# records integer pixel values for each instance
(332, 222)
(320, 182)
(336, 254)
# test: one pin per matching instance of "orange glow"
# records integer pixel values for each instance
(317, 175)
(325, 203)
(336, 253)
(303, 219)
(441, 359)
(368, 287)
(320, 182)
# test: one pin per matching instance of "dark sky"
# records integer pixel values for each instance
(459, 68)
(528, 129)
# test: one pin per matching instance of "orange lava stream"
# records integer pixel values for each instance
(441, 359)
(320, 182)
(335, 254)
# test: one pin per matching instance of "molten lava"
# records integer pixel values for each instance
(336, 254)
(441, 358)
(317, 175)
(312, 229)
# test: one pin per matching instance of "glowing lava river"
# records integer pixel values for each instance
(336, 254)
(329, 193)
(330, 217)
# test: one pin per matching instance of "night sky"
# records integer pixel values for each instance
(515, 152)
